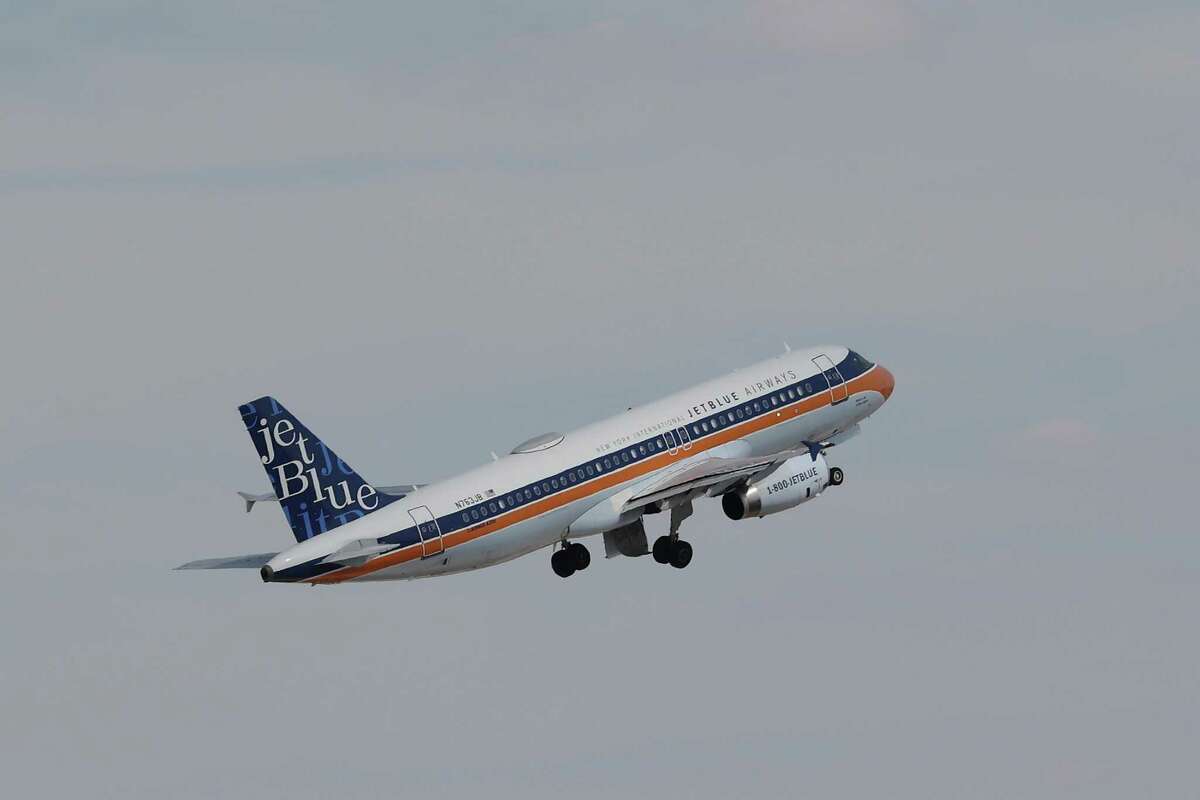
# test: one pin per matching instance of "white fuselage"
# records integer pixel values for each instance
(472, 520)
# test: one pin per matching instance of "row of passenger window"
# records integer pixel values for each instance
(534, 491)
(749, 410)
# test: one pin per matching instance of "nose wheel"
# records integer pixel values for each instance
(572, 558)
(836, 476)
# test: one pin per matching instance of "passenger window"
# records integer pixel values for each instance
(808, 388)
(607, 464)
(643, 448)
(757, 407)
(492, 507)
(661, 444)
(483, 511)
(554, 483)
(572, 477)
(466, 517)
(537, 491)
(474, 513)
(696, 429)
(501, 504)
(625, 457)
(510, 501)
(545, 487)
(590, 471)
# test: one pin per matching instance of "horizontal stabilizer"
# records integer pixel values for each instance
(399, 490)
(252, 561)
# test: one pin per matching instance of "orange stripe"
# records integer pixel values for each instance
(872, 380)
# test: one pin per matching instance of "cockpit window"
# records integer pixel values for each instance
(853, 366)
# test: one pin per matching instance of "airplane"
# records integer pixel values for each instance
(756, 438)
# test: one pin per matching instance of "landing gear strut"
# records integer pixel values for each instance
(671, 549)
(572, 558)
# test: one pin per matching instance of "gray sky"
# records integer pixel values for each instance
(434, 230)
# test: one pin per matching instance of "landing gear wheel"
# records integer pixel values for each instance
(836, 476)
(580, 557)
(563, 563)
(662, 549)
(681, 554)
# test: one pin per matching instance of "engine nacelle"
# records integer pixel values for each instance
(798, 479)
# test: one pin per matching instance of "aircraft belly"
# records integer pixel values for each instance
(512, 542)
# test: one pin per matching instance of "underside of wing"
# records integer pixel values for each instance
(252, 561)
(709, 476)
(716, 475)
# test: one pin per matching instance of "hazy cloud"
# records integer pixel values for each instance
(435, 230)
(851, 26)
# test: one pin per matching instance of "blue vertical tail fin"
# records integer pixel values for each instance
(317, 490)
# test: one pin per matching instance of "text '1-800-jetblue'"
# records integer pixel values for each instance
(756, 438)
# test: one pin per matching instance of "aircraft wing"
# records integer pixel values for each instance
(252, 561)
(398, 490)
(711, 475)
(714, 476)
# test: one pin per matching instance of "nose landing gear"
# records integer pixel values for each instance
(572, 558)
(836, 476)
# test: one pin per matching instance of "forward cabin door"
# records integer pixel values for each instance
(428, 530)
(685, 441)
(837, 386)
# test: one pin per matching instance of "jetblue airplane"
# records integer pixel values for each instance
(755, 438)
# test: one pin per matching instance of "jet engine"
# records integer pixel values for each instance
(798, 479)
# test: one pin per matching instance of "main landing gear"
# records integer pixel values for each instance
(675, 552)
(572, 558)
(836, 476)
(671, 549)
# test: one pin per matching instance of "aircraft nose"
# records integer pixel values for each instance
(887, 382)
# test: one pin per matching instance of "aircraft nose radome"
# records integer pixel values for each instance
(888, 384)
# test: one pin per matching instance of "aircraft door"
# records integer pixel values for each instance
(672, 444)
(837, 386)
(685, 440)
(428, 530)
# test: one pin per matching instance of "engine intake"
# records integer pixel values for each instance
(797, 480)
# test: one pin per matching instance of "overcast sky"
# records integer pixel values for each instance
(434, 230)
